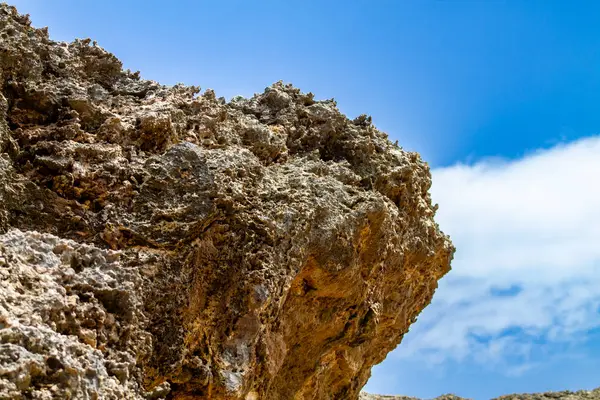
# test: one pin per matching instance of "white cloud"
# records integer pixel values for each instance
(530, 227)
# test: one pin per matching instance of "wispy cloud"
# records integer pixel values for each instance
(526, 275)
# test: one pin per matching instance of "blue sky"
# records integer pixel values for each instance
(502, 99)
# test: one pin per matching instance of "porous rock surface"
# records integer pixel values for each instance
(156, 242)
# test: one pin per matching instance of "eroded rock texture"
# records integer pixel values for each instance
(161, 243)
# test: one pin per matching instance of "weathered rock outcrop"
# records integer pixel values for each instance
(161, 243)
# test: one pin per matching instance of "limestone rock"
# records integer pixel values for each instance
(156, 242)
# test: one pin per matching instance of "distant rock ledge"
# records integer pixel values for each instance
(565, 395)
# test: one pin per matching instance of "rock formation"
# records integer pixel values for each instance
(156, 242)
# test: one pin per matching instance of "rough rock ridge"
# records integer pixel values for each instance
(156, 242)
